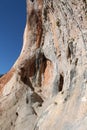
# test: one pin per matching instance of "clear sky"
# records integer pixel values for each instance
(12, 24)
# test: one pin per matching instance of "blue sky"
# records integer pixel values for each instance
(12, 24)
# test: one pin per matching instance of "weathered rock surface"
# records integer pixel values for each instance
(46, 89)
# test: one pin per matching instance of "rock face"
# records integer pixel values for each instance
(46, 89)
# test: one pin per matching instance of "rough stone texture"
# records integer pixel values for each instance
(46, 89)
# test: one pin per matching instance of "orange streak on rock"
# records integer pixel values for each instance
(48, 74)
(4, 79)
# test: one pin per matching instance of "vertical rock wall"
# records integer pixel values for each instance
(46, 87)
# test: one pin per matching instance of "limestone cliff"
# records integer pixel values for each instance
(46, 89)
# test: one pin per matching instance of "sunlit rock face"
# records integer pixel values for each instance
(46, 89)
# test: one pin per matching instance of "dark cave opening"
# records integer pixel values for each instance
(61, 82)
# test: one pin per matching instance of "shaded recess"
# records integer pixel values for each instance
(36, 98)
(68, 52)
(39, 73)
(61, 82)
